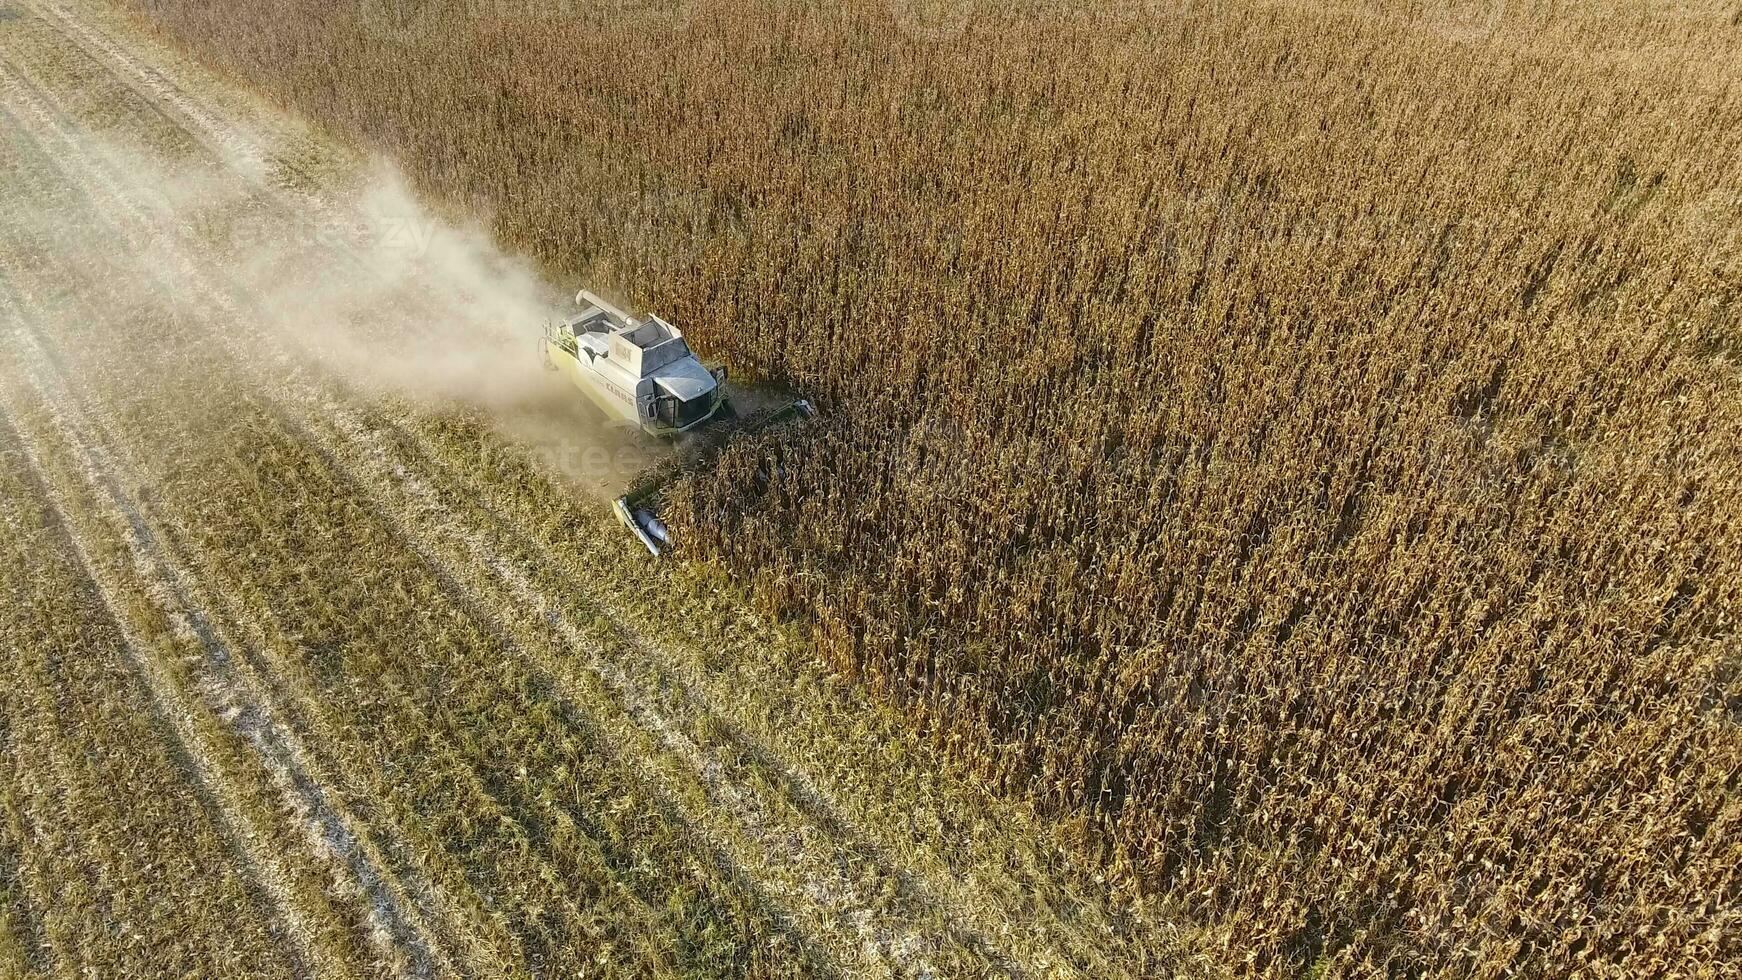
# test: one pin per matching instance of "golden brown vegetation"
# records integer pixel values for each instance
(1299, 444)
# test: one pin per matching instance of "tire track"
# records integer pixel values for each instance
(237, 700)
(435, 906)
(171, 714)
(233, 697)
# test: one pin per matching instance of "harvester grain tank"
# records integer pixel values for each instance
(638, 371)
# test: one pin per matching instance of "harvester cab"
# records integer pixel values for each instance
(641, 372)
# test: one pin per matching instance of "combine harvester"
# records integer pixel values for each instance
(641, 373)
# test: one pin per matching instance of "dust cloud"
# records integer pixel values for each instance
(355, 283)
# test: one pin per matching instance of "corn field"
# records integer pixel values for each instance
(1295, 448)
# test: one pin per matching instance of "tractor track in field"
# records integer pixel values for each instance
(229, 682)
(258, 864)
(767, 824)
(229, 696)
(366, 866)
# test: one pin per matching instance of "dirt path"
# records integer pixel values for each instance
(319, 305)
